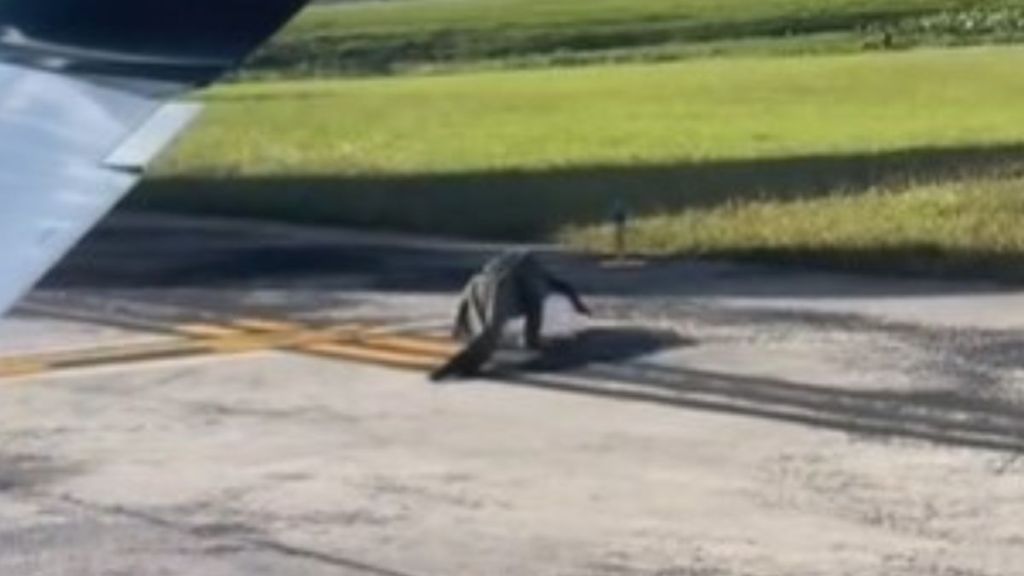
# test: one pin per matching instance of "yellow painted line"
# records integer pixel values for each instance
(114, 353)
(238, 345)
(414, 344)
(265, 325)
(102, 354)
(355, 342)
(278, 340)
(351, 343)
(16, 368)
(306, 337)
(99, 357)
(96, 357)
(357, 353)
(206, 330)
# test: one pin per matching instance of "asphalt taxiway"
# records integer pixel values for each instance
(189, 396)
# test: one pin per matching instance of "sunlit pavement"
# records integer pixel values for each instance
(711, 420)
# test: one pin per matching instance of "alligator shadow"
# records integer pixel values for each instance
(601, 345)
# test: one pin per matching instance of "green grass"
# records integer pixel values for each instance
(955, 229)
(857, 158)
(520, 155)
(637, 115)
(434, 15)
(381, 37)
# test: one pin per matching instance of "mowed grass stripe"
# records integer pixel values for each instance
(390, 37)
(520, 155)
(625, 115)
(968, 229)
(364, 18)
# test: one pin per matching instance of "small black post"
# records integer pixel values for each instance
(620, 219)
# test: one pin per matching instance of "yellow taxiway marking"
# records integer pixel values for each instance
(415, 345)
(206, 331)
(15, 368)
(357, 353)
(360, 343)
(264, 325)
(113, 352)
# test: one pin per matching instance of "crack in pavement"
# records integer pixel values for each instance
(237, 534)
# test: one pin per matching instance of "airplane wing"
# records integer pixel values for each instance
(87, 102)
